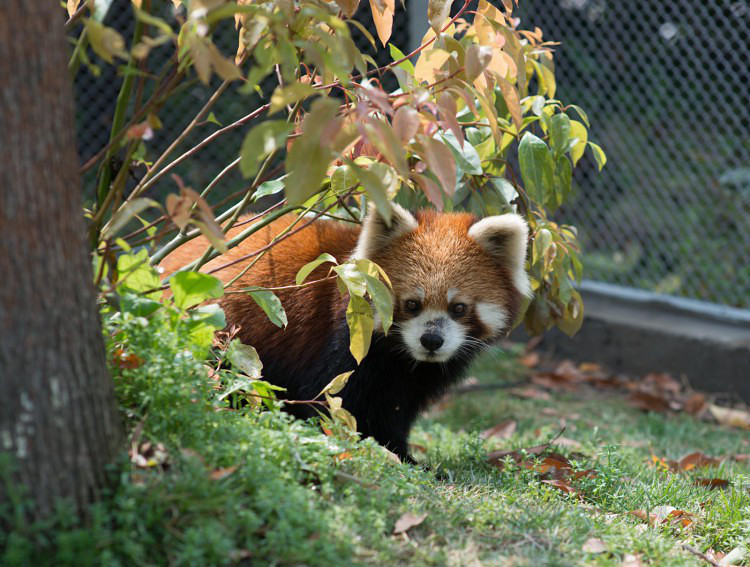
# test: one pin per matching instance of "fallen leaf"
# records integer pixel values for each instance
(594, 545)
(408, 521)
(530, 360)
(218, 474)
(649, 402)
(590, 367)
(695, 404)
(561, 485)
(730, 416)
(530, 393)
(742, 457)
(712, 483)
(661, 382)
(502, 430)
(695, 460)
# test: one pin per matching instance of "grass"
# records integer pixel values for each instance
(234, 486)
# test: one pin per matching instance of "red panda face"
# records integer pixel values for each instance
(458, 281)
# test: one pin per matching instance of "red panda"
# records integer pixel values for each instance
(458, 284)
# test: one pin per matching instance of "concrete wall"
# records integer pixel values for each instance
(639, 332)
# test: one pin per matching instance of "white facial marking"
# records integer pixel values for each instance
(437, 322)
(453, 292)
(492, 315)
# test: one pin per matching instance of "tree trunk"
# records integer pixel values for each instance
(57, 412)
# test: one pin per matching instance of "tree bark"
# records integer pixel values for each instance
(58, 417)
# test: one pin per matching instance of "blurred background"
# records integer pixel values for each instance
(666, 88)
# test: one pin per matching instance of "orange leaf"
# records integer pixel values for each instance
(561, 485)
(383, 20)
(218, 474)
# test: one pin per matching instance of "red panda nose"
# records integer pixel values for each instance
(431, 341)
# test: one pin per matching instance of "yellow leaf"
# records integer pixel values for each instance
(578, 130)
(437, 12)
(360, 320)
(73, 7)
(430, 62)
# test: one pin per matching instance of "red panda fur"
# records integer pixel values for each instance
(433, 253)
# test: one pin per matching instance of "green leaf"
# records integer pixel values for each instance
(210, 315)
(353, 279)
(138, 305)
(397, 54)
(581, 135)
(269, 188)
(192, 288)
(381, 299)
(308, 159)
(376, 182)
(467, 157)
(262, 140)
(270, 304)
(563, 179)
(343, 178)
(360, 321)
(542, 243)
(245, 358)
(305, 270)
(559, 127)
(290, 94)
(135, 274)
(581, 113)
(599, 155)
(212, 119)
(537, 167)
(125, 213)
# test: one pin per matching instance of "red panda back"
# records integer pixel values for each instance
(309, 309)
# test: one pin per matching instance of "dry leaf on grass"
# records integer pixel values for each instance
(666, 515)
(407, 521)
(530, 393)
(695, 460)
(730, 416)
(561, 485)
(594, 545)
(529, 360)
(218, 474)
(502, 430)
(712, 483)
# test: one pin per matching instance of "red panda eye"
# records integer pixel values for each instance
(412, 305)
(459, 309)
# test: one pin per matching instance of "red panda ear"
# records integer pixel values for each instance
(505, 237)
(376, 234)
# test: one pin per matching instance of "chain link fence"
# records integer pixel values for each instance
(666, 87)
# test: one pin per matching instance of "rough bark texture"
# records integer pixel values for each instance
(57, 411)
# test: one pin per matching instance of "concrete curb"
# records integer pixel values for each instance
(639, 332)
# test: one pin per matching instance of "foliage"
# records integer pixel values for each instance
(476, 97)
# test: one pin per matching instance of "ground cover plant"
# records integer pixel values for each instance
(554, 469)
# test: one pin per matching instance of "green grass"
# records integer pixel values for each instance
(297, 496)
